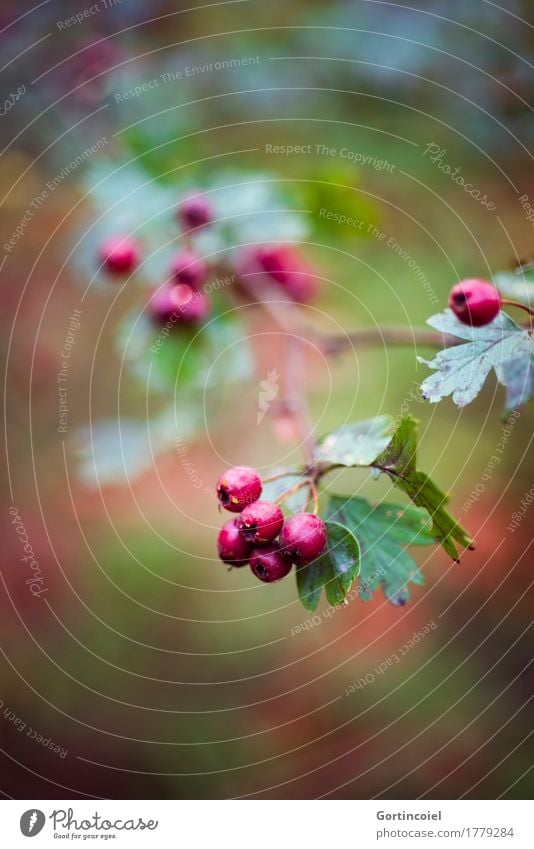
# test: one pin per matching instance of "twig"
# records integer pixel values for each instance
(272, 478)
(517, 304)
(315, 495)
(292, 490)
(386, 335)
(296, 399)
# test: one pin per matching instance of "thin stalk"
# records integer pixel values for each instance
(518, 305)
(292, 490)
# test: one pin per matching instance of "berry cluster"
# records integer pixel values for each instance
(181, 299)
(280, 266)
(252, 536)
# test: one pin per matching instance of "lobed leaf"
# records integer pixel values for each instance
(516, 285)
(461, 370)
(382, 532)
(119, 450)
(355, 444)
(335, 569)
(518, 378)
(398, 461)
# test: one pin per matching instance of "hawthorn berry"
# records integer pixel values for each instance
(192, 307)
(260, 522)
(189, 268)
(475, 302)
(179, 304)
(238, 487)
(195, 211)
(303, 537)
(285, 265)
(119, 254)
(162, 307)
(269, 564)
(232, 547)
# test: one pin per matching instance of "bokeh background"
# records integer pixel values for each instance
(147, 670)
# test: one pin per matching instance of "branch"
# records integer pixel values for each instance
(296, 394)
(367, 337)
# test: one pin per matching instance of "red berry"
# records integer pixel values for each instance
(162, 307)
(195, 211)
(285, 265)
(232, 548)
(191, 306)
(303, 537)
(179, 304)
(119, 254)
(238, 487)
(189, 268)
(260, 522)
(269, 564)
(475, 302)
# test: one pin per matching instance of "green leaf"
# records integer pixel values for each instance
(462, 369)
(355, 444)
(398, 461)
(382, 532)
(310, 582)
(119, 450)
(518, 377)
(517, 285)
(185, 358)
(335, 569)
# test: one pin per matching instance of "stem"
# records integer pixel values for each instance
(388, 334)
(315, 496)
(296, 395)
(292, 490)
(524, 265)
(285, 316)
(278, 476)
(518, 305)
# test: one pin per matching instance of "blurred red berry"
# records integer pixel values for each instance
(195, 211)
(180, 304)
(282, 265)
(192, 307)
(162, 307)
(119, 254)
(189, 268)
